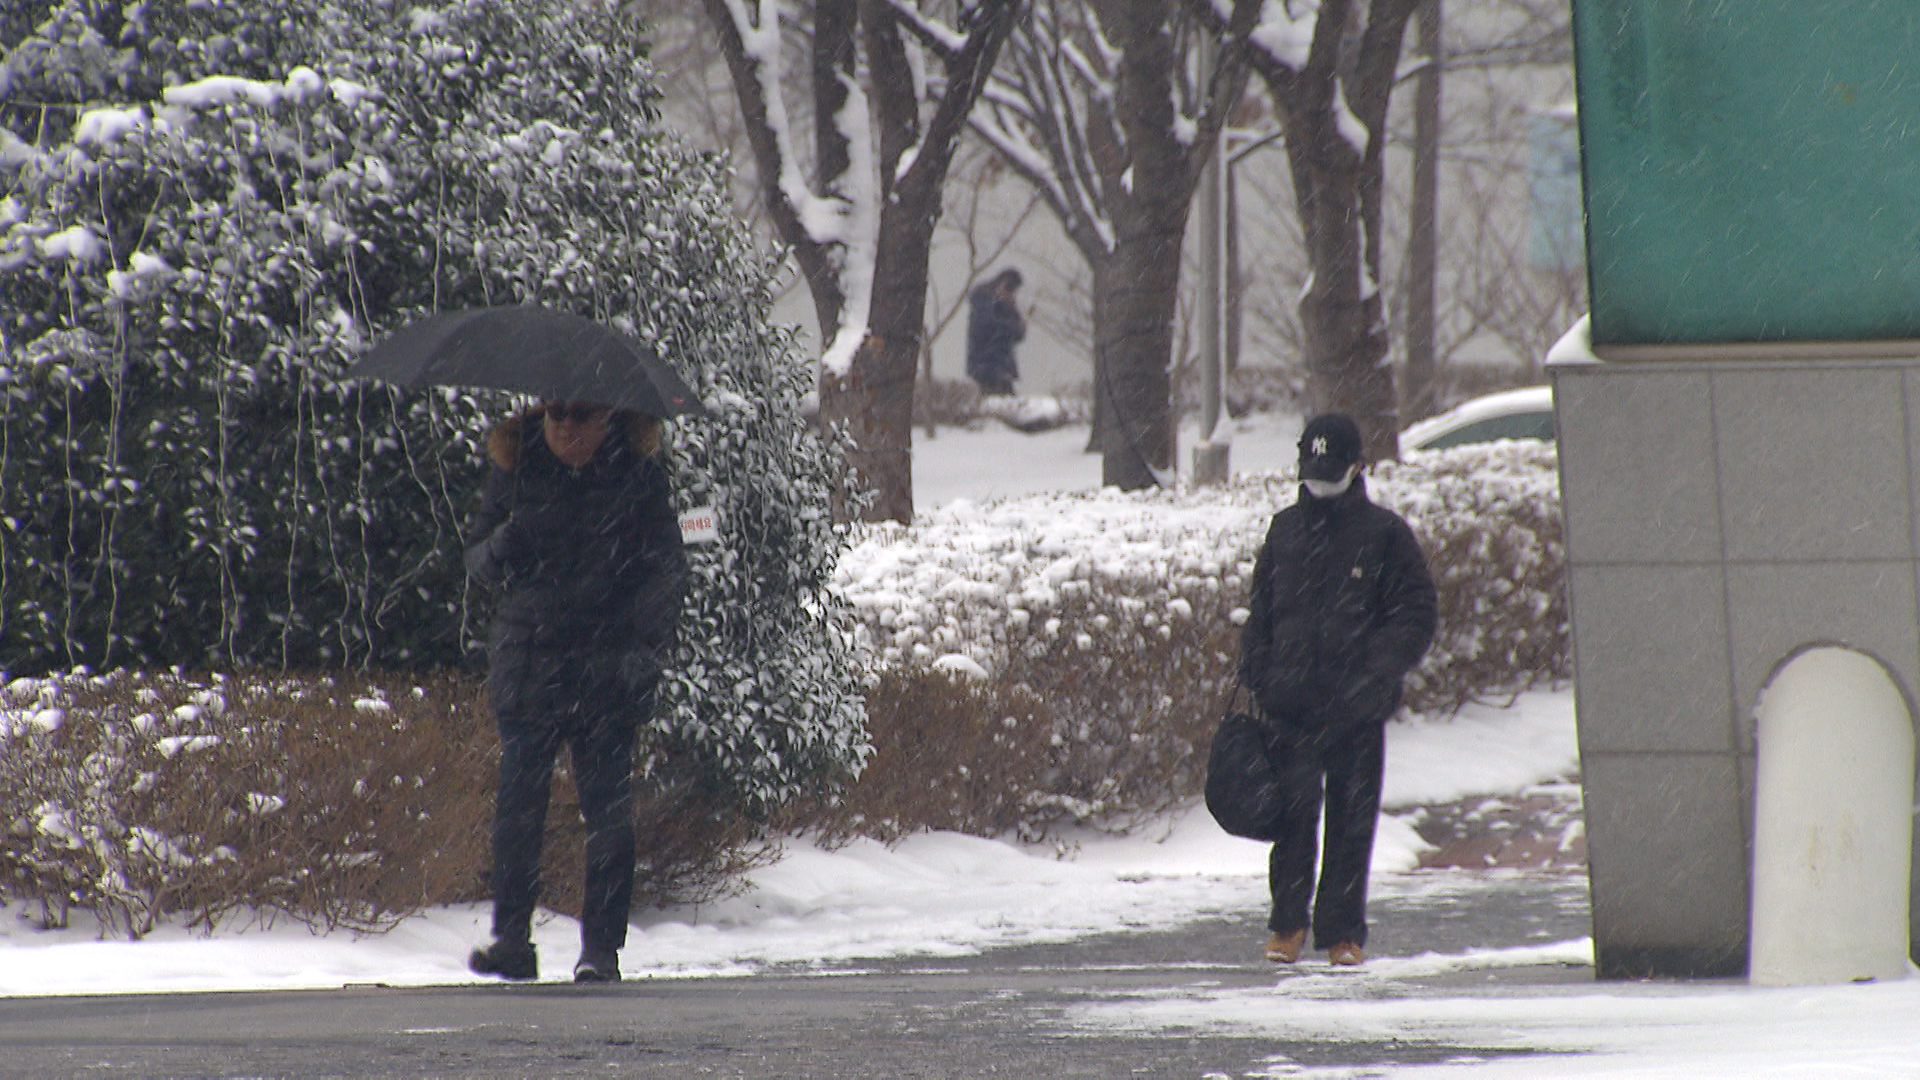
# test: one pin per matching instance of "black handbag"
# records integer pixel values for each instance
(1244, 792)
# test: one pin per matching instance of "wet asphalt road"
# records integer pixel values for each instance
(1004, 1013)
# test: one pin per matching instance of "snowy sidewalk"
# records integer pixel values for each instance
(1488, 969)
(930, 895)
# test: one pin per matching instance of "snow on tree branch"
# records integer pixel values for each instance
(1020, 153)
(1285, 30)
(824, 219)
(1351, 127)
(946, 42)
(860, 233)
(1042, 102)
(1098, 85)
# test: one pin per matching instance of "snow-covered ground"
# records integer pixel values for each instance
(995, 462)
(937, 894)
(945, 894)
(1661, 1031)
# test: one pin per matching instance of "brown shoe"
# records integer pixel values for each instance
(1346, 954)
(1285, 948)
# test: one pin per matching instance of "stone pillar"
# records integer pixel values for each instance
(1721, 515)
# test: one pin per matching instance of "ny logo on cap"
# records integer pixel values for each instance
(1319, 445)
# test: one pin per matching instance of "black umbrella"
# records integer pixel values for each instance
(534, 350)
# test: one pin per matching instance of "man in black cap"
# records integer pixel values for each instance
(1342, 608)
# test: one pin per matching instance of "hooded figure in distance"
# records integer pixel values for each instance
(1341, 609)
(994, 327)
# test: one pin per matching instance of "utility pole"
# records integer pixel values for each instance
(1417, 390)
(1210, 449)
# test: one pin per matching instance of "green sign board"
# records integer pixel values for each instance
(1751, 169)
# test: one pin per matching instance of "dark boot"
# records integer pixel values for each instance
(597, 966)
(514, 960)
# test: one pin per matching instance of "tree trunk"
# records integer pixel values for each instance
(835, 66)
(1136, 283)
(1115, 137)
(1236, 281)
(1097, 422)
(1338, 187)
(1134, 288)
(1341, 310)
(875, 398)
(815, 258)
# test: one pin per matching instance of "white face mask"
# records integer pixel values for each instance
(1329, 489)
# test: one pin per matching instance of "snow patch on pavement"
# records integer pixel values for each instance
(1650, 1031)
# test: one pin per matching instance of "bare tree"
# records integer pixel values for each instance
(1507, 58)
(885, 125)
(1100, 105)
(1330, 69)
(1498, 288)
(1503, 60)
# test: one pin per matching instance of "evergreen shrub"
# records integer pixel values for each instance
(209, 211)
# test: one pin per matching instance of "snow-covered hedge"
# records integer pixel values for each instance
(986, 584)
(1489, 520)
(339, 801)
(206, 217)
(1107, 625)
(1043, 660)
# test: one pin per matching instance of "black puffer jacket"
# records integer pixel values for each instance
(1342, 608)
(588, 560)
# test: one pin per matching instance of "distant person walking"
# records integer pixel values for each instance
(578, 536)
(1341, 609)
(994, 327)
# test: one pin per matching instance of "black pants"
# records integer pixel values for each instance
(1348, 764)
(594, 714)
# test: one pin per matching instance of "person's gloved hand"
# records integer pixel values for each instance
(511, 545)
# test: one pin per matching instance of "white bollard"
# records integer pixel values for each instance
(1832, 823)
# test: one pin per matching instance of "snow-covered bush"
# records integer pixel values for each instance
(1489, 519)
(1118, 613)
(339, 801)
(988, 581)
(336, 802)
(208, 211)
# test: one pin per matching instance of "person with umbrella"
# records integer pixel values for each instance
(577, 535)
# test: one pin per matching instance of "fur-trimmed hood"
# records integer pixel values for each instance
(507, 438)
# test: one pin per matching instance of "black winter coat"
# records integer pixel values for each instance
(588, 561)
(994, 327)
(1342, 608)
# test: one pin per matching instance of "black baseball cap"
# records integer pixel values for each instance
(1329, 446)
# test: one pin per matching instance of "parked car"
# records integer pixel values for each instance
(1526, 413)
